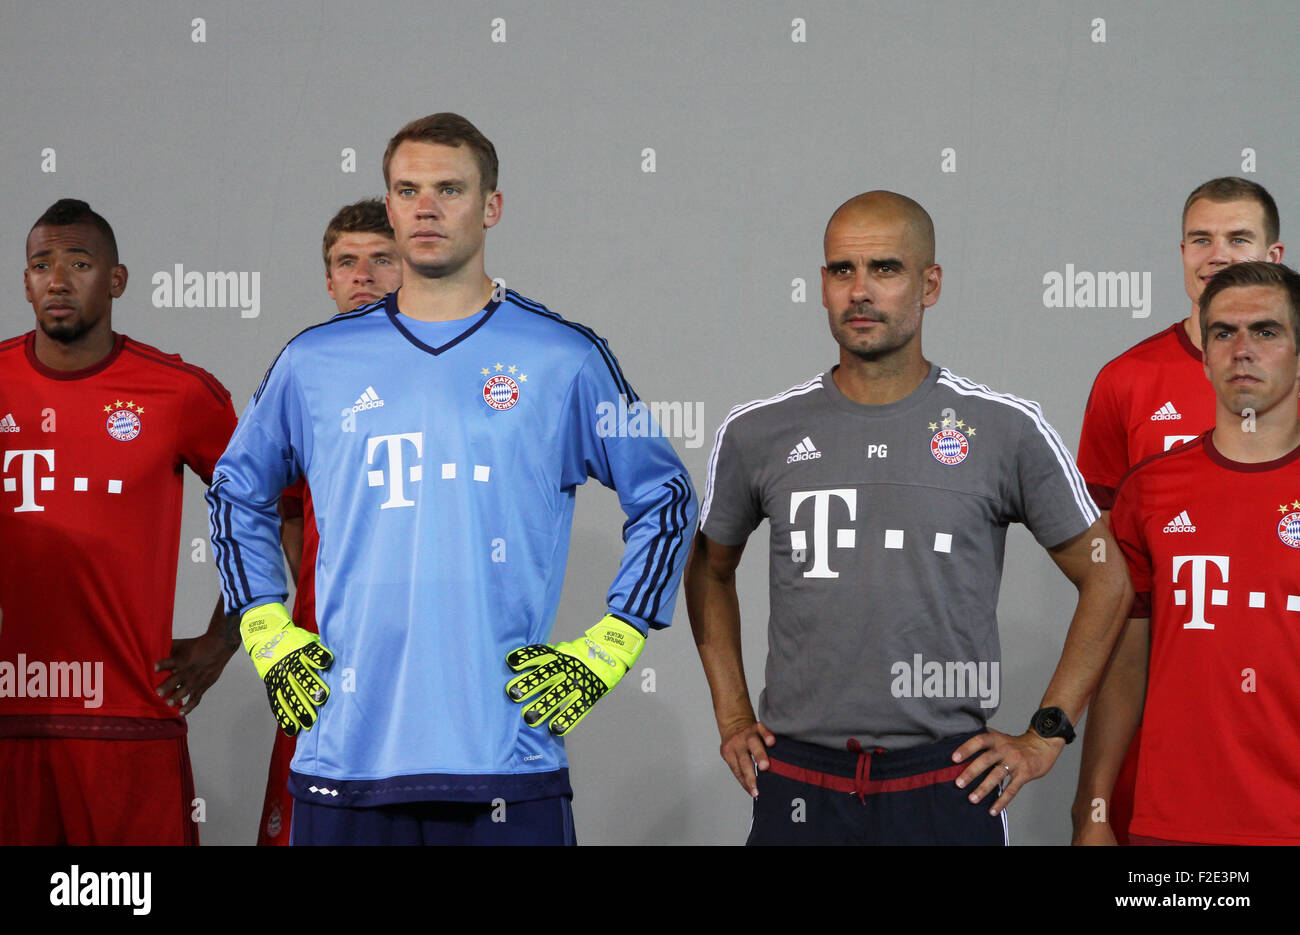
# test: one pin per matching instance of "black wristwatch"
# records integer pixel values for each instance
(1051, 722)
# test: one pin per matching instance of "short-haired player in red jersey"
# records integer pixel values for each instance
(1154, 395)
(95, 430)
(1211, 532)
(361, 266)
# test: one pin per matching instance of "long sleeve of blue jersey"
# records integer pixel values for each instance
(260, 461)
(611, 435)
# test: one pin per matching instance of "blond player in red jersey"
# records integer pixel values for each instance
(96, 430)
(1210, 659)
(1154, 395)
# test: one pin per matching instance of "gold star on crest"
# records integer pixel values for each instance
(971, 431)
(108, 408)
(960, 423)
(1282, 508)
(1296, 504)
(139, 410)
(512, 369)
(498, 368)
(934, 427)
(946, 422)
(485, 371)
(118, 404)
(523, 378)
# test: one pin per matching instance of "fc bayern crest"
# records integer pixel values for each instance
(1288, 529)
(500, 392)
(124, 425)
(274, 822)
(949, 447)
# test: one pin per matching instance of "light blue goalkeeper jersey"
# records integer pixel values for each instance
(443, 478)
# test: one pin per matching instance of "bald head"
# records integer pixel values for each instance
(889, 207)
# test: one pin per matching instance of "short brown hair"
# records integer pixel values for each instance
(362, 217)
(1254, 273)
(1232, 188)
(448, 130)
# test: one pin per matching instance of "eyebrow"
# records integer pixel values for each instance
(875, 263)
(1256, 325)
(407, 183)
(40, 253)
(353, 254)
(1239, 232)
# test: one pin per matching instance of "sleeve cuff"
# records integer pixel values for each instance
(637, 623)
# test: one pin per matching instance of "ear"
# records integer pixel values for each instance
(932, 280)
(492, 209)
(329, 287)
(27, 288)
(117, 281)
(1275, 252)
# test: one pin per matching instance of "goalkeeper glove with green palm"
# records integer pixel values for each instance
(568, 678)
(286, 658)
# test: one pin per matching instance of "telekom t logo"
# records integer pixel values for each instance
(844, 538)
(1218, 596)
(393, 444)
(28, 475)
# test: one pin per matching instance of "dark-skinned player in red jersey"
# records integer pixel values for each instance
(98, 428)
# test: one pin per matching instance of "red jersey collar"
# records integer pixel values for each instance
(119, 341)
(1246, 467)
(1187, 344)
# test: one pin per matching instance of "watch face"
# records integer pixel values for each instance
(1048, 722)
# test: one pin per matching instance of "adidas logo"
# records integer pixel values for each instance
(367, 400)
(804, 451)
(1166, 413)
(1180, 523)
(7, 424)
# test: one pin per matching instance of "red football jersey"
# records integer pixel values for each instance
(90, 513)
(1216, 546)
(296, 502)
(277, 806)
(1153, 396)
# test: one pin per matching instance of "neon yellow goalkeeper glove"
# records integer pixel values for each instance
(568, 678)
(285, 657)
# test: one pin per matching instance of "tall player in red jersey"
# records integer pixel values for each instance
(1154, 395)
(361, 266)
(95, 429)
(1211, 532)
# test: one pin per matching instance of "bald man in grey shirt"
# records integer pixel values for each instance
(888, 485)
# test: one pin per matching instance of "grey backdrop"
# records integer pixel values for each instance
(226, 154)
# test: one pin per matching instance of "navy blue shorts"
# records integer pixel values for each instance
(815, 795)
(543, 821)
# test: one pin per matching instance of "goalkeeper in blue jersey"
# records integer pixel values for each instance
(443, 431)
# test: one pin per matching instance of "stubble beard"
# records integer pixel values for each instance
(65, 332)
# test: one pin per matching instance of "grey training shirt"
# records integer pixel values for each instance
(888, 525)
